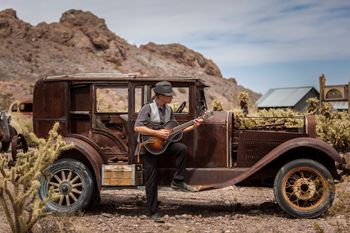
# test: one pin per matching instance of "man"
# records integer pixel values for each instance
(159, 112)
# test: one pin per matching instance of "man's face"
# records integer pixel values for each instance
(166, 99)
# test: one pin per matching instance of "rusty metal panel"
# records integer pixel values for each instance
(310, 126)
(49, 106)
(211, 142)
(122, 175)
(253, 145)
(113, 147)
(207, 145)
(80, 99)
(42, 128)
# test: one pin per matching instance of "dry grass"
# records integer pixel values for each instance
(342, 204)
(59, 224)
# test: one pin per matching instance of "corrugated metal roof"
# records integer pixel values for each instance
(283, 97)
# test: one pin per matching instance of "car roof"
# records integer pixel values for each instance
(100, 77)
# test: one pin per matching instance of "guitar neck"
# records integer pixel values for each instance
(183, 126)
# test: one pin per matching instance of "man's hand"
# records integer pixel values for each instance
(163, 133)
(197, 122)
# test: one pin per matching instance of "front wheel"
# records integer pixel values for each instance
(304, 188)
(72, 181)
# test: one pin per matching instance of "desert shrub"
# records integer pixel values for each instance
(313, 105)
(20, 183)
(5, 100)
(243, 101)
(334, 128)
(217, 106)
(285, 117)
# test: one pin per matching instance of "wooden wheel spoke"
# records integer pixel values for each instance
(61, 199)
(77, 185)
(57, 178)
(54, 184)
(73, 196)
(67, 200)
(63, 175)
(76, 191)
(56, 190)
(69, 175)
(74, 179)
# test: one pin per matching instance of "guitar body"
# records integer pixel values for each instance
(156, 145)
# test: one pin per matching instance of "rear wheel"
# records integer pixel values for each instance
(72, 181)
(304, 188)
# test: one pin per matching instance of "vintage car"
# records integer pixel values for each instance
(22, 107)
(21, 112)
(97, 112)
(10, 137)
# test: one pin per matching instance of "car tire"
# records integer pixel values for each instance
(72, 181)
(304, 188)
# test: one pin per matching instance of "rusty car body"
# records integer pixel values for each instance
(10, 137)
(97, 112)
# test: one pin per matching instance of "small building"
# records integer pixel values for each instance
(337, 95)
(290, 97)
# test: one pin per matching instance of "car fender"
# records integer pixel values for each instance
(277, 152)
(91, 155)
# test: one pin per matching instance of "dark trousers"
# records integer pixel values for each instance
(150, 166)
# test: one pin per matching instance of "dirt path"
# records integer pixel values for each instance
(232, 209)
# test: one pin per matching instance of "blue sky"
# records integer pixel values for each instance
(263, 44)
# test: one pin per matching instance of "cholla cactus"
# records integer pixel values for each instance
(20, 184)
(313, 106)
(243, 101)
(326, 110)
(217, 106)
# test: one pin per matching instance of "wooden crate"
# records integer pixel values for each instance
(122, 175)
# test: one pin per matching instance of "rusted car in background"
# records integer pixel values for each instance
(10, 137)
(97, 113)
(21, 112)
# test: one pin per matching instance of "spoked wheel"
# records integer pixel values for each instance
(304, 188)
(72, 181)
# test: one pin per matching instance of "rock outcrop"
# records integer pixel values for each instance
(82, 42)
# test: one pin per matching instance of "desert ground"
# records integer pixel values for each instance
(231, 209)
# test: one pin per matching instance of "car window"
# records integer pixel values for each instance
(14, 108)
(114, 99)
(181, 95)
(26, 107)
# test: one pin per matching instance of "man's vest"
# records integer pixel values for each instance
(155, 118)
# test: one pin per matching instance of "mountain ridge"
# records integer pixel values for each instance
(81, 42)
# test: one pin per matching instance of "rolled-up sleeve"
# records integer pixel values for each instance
(143, 119)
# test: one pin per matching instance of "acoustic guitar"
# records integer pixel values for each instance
(156, 146)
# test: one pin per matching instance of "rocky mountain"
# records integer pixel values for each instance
(82, 42)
